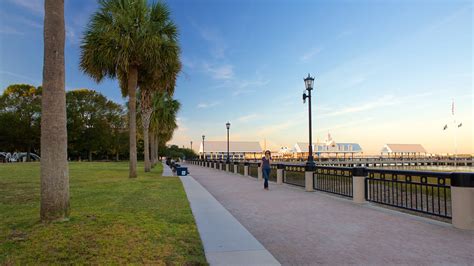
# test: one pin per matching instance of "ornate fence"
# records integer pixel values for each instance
(425, 192)
(419, 191)
(294, 175)
(336, 180)
(253, 170)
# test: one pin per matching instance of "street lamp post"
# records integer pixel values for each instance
(191, 144)
(228, 127)
(308, 81)
(203, 153)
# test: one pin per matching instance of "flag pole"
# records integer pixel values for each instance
(455, 135)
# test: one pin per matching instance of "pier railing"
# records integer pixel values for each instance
(424, 192)
(433, 194)
(336, 180)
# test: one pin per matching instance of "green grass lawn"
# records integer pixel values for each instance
(114, 219)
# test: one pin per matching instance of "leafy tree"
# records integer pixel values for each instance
(54, 167)
(20, 117)
(92, 122)
(121, 38)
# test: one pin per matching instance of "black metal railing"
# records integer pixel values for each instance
(253, 169)
(424, 192)
(273, 173)
(240, 168)
(336, 180)
(294, 175)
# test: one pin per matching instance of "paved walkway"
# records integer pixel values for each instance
(299, 227)
(225, 240)
(167, 170)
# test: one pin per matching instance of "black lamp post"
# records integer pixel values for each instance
(228, 127)
(191, 144)
(203, 153)
(308, 82)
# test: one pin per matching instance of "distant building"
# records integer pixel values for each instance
(402, 149)
(328, 148)
(238, 150)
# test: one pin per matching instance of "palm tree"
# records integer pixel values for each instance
(54, 167)
(160, 80)
(163, 120)
(123, 38)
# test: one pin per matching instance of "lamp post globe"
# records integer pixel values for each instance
(309, 82)
(227, 125)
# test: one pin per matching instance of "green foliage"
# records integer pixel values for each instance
(20, 118)
(95, 124)
(125, 34)
(163, 121)
(114, 219)
(176, 152)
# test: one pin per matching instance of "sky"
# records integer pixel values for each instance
(385, 71)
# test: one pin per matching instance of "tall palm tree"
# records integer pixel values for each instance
(160, 80)
(54, 167)
(123, 37)
(164, 119)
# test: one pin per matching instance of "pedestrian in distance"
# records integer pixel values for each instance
(266, 162)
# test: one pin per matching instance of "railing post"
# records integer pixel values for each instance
(280, 170)
(462, 200)
(221, 166)
(236, 165)
(215, 165)
(227, 167)
(260, 173)
(246, 169)
(359, 174)
(308, 177)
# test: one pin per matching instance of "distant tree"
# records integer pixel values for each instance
(54, 166)
(92, 122)
(121, 38)
(164, 120)
(176, 152)
(20, 118)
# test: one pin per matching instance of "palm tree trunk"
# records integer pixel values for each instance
(146, 149)
(146, 116)
(157, 144)
(54, 167)
(132, 106)
(152, 148)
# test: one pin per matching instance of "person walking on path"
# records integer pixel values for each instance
(266, 161)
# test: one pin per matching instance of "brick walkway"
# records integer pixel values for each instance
(300, 227)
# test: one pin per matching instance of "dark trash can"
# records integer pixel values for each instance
(182, 171)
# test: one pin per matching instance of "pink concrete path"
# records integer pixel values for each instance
(300, 227)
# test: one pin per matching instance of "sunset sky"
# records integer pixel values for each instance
(385, 71)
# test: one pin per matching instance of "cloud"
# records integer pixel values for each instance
(269, 130)
(242, 87)
(247, 118)
(379, 102)
(214, 38)
(10, 31)
(36, 6)
(309, 55)
(22, 77)
(223, 72)
(345, 125)
(207, 105)
(71, 35)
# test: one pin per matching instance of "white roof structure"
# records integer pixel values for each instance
(403, 148)
(234, 146)
(329, 147)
